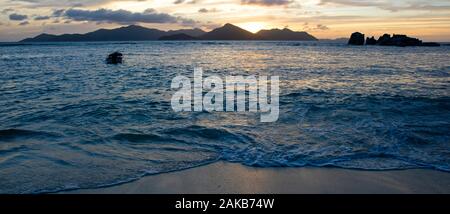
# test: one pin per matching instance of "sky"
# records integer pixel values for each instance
(326, 19)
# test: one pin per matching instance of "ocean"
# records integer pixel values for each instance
(68, 120)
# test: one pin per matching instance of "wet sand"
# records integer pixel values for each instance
(227, 178)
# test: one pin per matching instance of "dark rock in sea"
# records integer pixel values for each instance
(180, 36)
(371, 41)
(399, 40)
(402, 41)
(431, 44)
(357, 38)
(384, 39)
(115, 58)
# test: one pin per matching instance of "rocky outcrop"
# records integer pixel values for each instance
(401, 41)
(357, 38)
(115, 58)
(383, 39)
(371, 41)
(387, 40)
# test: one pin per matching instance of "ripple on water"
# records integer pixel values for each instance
(67, 125)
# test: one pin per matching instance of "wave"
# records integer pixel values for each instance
(68, 121)
(10, 134)
(207, 133)
(14, 44)
(215, 43)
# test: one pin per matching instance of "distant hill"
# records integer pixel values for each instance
(338, 40)
(228, 32)
(129, 33)
(180, 36)
(285, 34)
(138, 33)
(196, 32)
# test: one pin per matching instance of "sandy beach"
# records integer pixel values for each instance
(230, 178)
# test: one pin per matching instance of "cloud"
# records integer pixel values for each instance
(183, 1)
(318, 27)
(58, 12)
(204, 10)
(7, 10)
(211, 25)
(427, 7)
(321, 27)
(360, 3)
(267, 2)
(65, 3)
(17, 17)
(123, 16)
(40, 18)
(24, 23)
(420, 5)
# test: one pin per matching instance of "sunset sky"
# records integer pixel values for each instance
(426, 19)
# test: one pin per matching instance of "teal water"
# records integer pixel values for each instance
(68, 120)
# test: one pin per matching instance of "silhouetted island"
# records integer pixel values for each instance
(228, 32)
(180, 36)
(357, 38)
(129, 33)
(138, 33)
(285, 34)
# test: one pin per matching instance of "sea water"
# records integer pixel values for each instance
(68, 120)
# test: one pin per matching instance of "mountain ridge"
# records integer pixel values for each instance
(284, 34)
(228, 32)
(139, 33)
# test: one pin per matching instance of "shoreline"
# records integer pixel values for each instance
(232, 178)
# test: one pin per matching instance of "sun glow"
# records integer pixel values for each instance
(252, 26)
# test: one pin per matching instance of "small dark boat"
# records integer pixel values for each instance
(115, 58)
